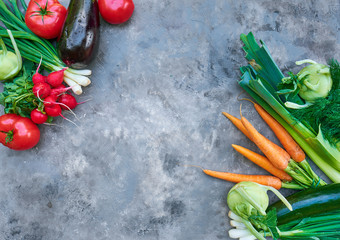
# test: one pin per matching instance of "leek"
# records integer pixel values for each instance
(260, 80)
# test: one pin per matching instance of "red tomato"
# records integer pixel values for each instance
(45, 18)
(18, 133)
(116, 11)
(38, 117)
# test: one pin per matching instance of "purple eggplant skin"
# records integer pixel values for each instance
(79, 40)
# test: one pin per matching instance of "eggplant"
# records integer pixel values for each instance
(78, 42)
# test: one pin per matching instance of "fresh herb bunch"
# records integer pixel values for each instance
(18, 96)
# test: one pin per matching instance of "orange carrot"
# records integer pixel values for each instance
(275, 154)
(262, 162)
(236, 178)
(281, 133)
(237, 122)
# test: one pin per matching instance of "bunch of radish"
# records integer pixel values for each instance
(53, 96)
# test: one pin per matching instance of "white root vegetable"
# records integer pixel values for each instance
(76, 88)
(252, 237)
(80, 79)
(76, 78)
(84, 72)
(235, 217)
(239, 233)
(237, 224)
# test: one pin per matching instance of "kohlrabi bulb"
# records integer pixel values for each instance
(10, 63)
(314, 81)
(248, 198)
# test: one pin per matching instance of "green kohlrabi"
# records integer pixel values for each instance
(316, 80)
(249, 201)
(10, 63)
(311, 83)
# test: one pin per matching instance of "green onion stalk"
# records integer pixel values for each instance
(34, 48)
(321, 227)
(260, 80)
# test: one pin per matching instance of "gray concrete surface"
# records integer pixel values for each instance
(160, 83)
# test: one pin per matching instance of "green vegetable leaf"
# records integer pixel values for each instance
(335, 74)
(17, 96)
(266, 223)
(271, 222)
(289, 88)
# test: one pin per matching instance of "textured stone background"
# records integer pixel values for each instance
(160, 83)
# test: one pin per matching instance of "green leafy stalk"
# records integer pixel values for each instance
(325, 225)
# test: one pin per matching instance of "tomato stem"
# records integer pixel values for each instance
(9, 136)
(42, 12)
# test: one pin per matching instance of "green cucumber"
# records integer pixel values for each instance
(308, 202)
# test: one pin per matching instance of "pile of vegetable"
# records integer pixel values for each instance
(303, 111)
(62, 42)
(308, 214)
(288, 165)
(306, 104)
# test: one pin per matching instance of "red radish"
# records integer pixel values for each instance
(56, 78)
(59, 90)
(38, 117)
(53, 111)
(68, 100)
(50, 101)
(41, 90)
(37, 77)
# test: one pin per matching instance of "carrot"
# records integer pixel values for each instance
(237, 122)
(262, 162)
(275, 154)
(293, 149)
(236, 178)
